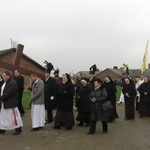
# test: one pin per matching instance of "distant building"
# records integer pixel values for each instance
(116, 74)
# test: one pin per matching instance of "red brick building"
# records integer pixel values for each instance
(14, 58)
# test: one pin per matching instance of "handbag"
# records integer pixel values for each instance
(106, 105)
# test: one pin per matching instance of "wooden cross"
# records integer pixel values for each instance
(16, 64)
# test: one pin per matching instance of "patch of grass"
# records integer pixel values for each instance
(118, 92)
(26, 99)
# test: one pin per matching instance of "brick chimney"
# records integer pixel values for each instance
(115, 67)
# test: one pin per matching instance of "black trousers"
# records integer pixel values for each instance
(20, 106)
(50, 115)
(93, 126)
(137, 103)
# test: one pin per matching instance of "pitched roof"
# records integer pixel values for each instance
(5, 52)
(132, 72)
(116, 71)
(86, 73)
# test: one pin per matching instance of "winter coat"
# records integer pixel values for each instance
(37, 94)
(145, 87)
(97, 112)
(111, 91)
(84, 100)
(10, 94)
(65, 97)
(50, 90)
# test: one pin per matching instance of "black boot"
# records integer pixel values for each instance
(2, 131)
(17, 131)
(80, 124)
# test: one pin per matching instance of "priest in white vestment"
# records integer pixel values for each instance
(9, 114)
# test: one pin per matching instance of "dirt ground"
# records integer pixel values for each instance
(122, 135)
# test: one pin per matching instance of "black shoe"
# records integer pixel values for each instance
(22, 114)
(34, 129)
(48, 121)
(104, 132)
(141, 116)
(87, 125)
(80, 124)
(90, 132)
(68, 128)
(2, 131)
(111, 120)
(17, 132)
(56, 128)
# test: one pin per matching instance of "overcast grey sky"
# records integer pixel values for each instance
(75, 34)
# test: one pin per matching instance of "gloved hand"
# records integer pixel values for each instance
(52, 98)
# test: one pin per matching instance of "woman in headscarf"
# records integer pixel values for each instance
(144, 105)
(64, 115)
(129, 92)
(110, 87)
(98, 97)
(84, 103)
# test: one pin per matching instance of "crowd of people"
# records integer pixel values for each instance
(94, 99)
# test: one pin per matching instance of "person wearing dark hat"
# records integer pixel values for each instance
(64, 115)
(49, 93)
(56, 73)
(93, 69)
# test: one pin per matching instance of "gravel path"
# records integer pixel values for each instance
(122, 135)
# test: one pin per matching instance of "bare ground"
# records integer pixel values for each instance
(122, 135)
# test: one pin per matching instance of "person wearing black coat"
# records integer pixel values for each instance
(144, 105)
(64, 115)
(20, 82)
(50, 88)
(129, 92)
(84, 103)
(78, 86)
(92, 77)
(9, 113)
(110, 87)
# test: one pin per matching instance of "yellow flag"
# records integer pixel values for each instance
(143, 66)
